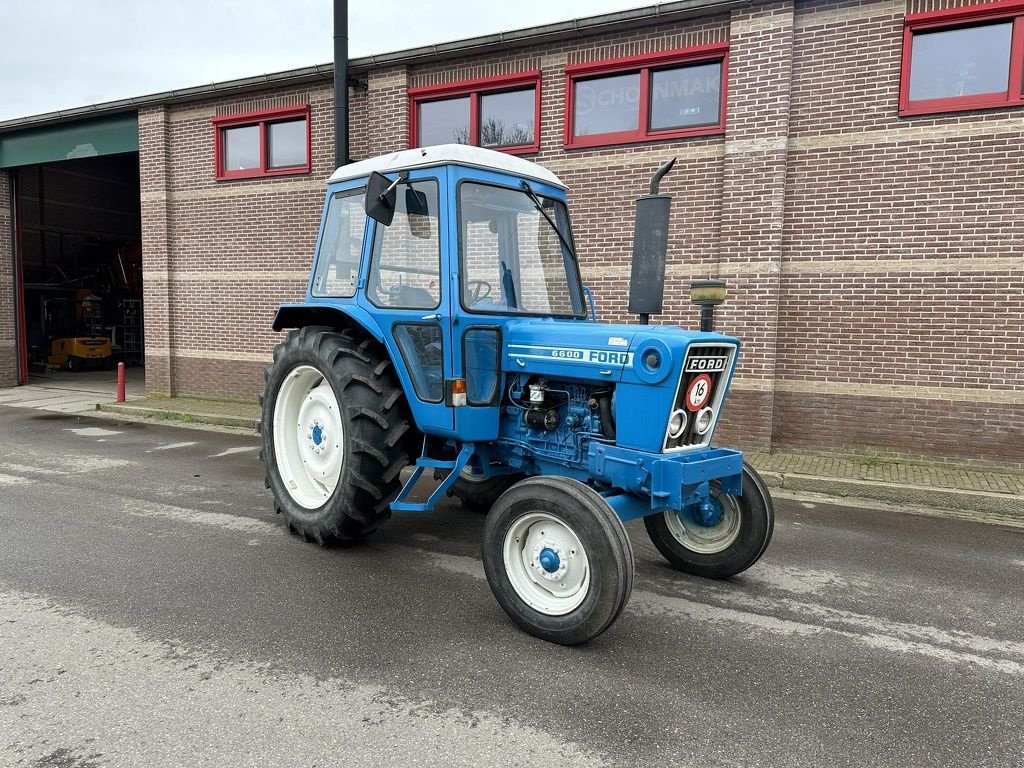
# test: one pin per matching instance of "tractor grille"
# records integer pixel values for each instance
(701, 385)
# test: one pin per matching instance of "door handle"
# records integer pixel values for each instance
(431, 317)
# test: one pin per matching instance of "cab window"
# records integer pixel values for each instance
(405, 271)
(341, 246)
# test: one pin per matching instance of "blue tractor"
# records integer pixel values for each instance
(446, 327)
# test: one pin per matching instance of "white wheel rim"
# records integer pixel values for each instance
(707, 539)
(546, 564)
(309, 438)
(469, 476)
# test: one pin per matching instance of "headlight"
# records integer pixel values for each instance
(704, 418)
(676, 424)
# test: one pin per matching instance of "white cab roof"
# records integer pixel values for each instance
(458, 154)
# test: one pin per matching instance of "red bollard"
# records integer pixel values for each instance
(120, 382)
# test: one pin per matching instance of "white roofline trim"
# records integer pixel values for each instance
(445, 154)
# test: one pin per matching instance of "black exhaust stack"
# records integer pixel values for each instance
(650, 247)
(341, 156)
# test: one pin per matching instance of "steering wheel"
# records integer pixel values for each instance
(480, 289)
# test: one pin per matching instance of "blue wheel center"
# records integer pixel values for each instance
(318, 435)
(549, 560)
(708, 512)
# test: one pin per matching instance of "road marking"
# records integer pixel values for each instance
(172, 446)
(92, 431)
(215, 519)
(25, 468)
(94, 688)
(797, 580)
(6, 480)
(231, 451)
(871, 631)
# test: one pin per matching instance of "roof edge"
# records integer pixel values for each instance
(361, 64)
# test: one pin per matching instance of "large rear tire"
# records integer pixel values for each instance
(731, 544)
(557, 559)
(336, 434)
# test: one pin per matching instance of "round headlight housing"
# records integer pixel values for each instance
(677, 423)
(705, 416)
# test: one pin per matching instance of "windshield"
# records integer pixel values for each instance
(513, 260)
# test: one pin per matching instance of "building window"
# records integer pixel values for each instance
(270, 143)
(963, 59)
(645, 98)
(497, 113)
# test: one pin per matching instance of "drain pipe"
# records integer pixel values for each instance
(341, 156)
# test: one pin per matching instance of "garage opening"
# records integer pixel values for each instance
(78, 234)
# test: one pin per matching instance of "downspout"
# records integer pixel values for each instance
(341, 155)
(20, 331)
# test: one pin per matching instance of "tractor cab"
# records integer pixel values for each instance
(437, 251)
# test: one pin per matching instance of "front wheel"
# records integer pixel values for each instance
(723, 540)
(557, 559)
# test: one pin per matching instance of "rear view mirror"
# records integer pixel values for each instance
(416, 202)
(380, 198)
(418, 213)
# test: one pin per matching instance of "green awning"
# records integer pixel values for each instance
(67, 141)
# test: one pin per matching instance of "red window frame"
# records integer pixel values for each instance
(475, 89)
(644, 64)
(955, 18)
(261, 119)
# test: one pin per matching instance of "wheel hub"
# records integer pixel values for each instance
(317, 436)
(308, 436)
(546, 563)
(549, 560)
(709, 527)
(709, 512)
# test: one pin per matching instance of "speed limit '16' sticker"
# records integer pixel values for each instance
(698, 393)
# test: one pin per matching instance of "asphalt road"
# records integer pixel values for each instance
(154, 612)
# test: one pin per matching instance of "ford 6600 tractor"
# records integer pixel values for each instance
(446, 327)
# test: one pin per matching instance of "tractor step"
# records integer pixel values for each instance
(402, 504)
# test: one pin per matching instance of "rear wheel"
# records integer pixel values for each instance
(73, 363)
(724, 539)
(479, 493)
(335, 434)
(557, 559)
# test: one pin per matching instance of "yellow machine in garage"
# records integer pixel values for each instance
(74, 341)
(80, 351)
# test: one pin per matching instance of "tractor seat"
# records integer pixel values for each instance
(415, 298)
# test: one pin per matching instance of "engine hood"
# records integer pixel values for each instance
(598, 351)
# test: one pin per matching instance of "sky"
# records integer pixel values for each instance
(58, 54)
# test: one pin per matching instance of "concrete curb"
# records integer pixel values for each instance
(957, 500)
(899, 493)
(184, 419)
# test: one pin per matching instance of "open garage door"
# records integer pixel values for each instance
(77, 243)
(78, 240)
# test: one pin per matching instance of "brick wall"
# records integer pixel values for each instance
(8, 356)
(901, 302)
(874, 262)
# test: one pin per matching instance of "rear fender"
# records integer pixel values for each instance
(348, 316)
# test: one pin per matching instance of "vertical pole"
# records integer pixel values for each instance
(707, 318)
(341, 156)
(120, 382)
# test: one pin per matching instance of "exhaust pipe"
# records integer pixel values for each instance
(650, 247)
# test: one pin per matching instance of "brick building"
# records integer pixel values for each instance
(852, 169)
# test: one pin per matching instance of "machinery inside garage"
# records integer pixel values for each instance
(79, 260)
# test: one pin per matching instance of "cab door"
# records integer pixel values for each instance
(402, 287)
(482, 244)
